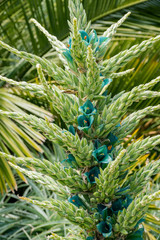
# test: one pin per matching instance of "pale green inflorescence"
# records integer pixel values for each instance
(96, 182)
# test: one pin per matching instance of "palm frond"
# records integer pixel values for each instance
(17, 137)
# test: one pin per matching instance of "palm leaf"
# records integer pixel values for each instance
(17, 137)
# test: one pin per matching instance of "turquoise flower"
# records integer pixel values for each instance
(104, 211)
(84, 123)
(106, 81)
(104, 228)
(117, 206)
(112, 138)
(101, 46)
(110, 148)
(138, 235)
(87, 108)
(72, 130)
(90, 39)
(69, 43)
(69, 162)
(76, 201)
(98, 41)
(101, 207)
(92, 174)
(120, 204)
(84, 37)
(102, 40)
(67, 54)
(101, 155)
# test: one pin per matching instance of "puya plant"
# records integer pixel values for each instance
(98, 190)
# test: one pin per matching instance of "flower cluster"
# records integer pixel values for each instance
(105, 215)
(86, 119)
(91, 39)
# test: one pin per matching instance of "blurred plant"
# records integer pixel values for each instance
(28, 221)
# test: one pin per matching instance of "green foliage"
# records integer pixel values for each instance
(26, 221)
(96, 177)
(127, 219)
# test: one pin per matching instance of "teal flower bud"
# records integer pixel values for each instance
(99, 43)
(69, 43)
(68, 56)
(72, 130)
(92, 39)
(106, 81)
(88, 108)
(102, 40)
(84, 123)
(76, 201)
(112, 138)
(84, 36)
(101, 46)
(94, 172)
(120, 204)
(105, 212)
(69, 162)
(105, 229)
(101, 155)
